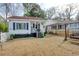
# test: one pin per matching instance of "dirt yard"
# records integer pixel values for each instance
(49, 46)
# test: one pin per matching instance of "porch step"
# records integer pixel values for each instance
(75, 37)
(33, 34)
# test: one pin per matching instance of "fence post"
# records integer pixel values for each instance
(0, 41)
(0, 36)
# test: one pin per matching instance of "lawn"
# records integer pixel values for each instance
(51, 45)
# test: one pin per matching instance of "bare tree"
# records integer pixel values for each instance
(77, 16)
(69, 11)
(6, 8)
(60, 15)
(10, 9)
(16, 8)
(51, 12)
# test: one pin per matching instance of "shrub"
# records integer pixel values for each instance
(11, 37)
(3, 27)
(40, 35)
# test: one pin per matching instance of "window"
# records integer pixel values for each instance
(22, 26)
(53, 27)
(59, 26)
(19, 26)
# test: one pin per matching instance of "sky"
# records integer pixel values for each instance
(18, 10)
(45, 4)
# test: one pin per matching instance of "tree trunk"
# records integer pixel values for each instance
(46, 30)
(65, 39)
(6, 11)
(56, 29)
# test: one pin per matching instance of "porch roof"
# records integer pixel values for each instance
(65, 22)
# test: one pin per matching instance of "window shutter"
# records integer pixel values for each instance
(13, 26)
(27, 26)
(33, 25)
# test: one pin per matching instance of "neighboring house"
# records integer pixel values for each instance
(26, 25)
(60, 25)
(74, 27)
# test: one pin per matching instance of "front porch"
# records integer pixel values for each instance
(38, 28)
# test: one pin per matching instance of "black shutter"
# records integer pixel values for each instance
(33, 25)
(27, 26)
(13, 26)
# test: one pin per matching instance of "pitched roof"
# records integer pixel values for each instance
(23, 17)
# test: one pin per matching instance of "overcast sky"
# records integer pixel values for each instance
(45, 4)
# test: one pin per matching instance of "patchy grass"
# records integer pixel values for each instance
(50, 45)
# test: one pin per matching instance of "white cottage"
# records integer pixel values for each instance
(25, 25)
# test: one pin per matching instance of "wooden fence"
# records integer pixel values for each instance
(4, 36)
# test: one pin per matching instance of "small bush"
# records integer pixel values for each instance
(11, 37)
(3, 27)
(40, 35)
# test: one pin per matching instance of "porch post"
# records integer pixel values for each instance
(56, 28)
(37, 29)
(30, 27)
(46, 29)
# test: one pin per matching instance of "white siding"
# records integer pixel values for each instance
(22, 31)
(42, 27)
